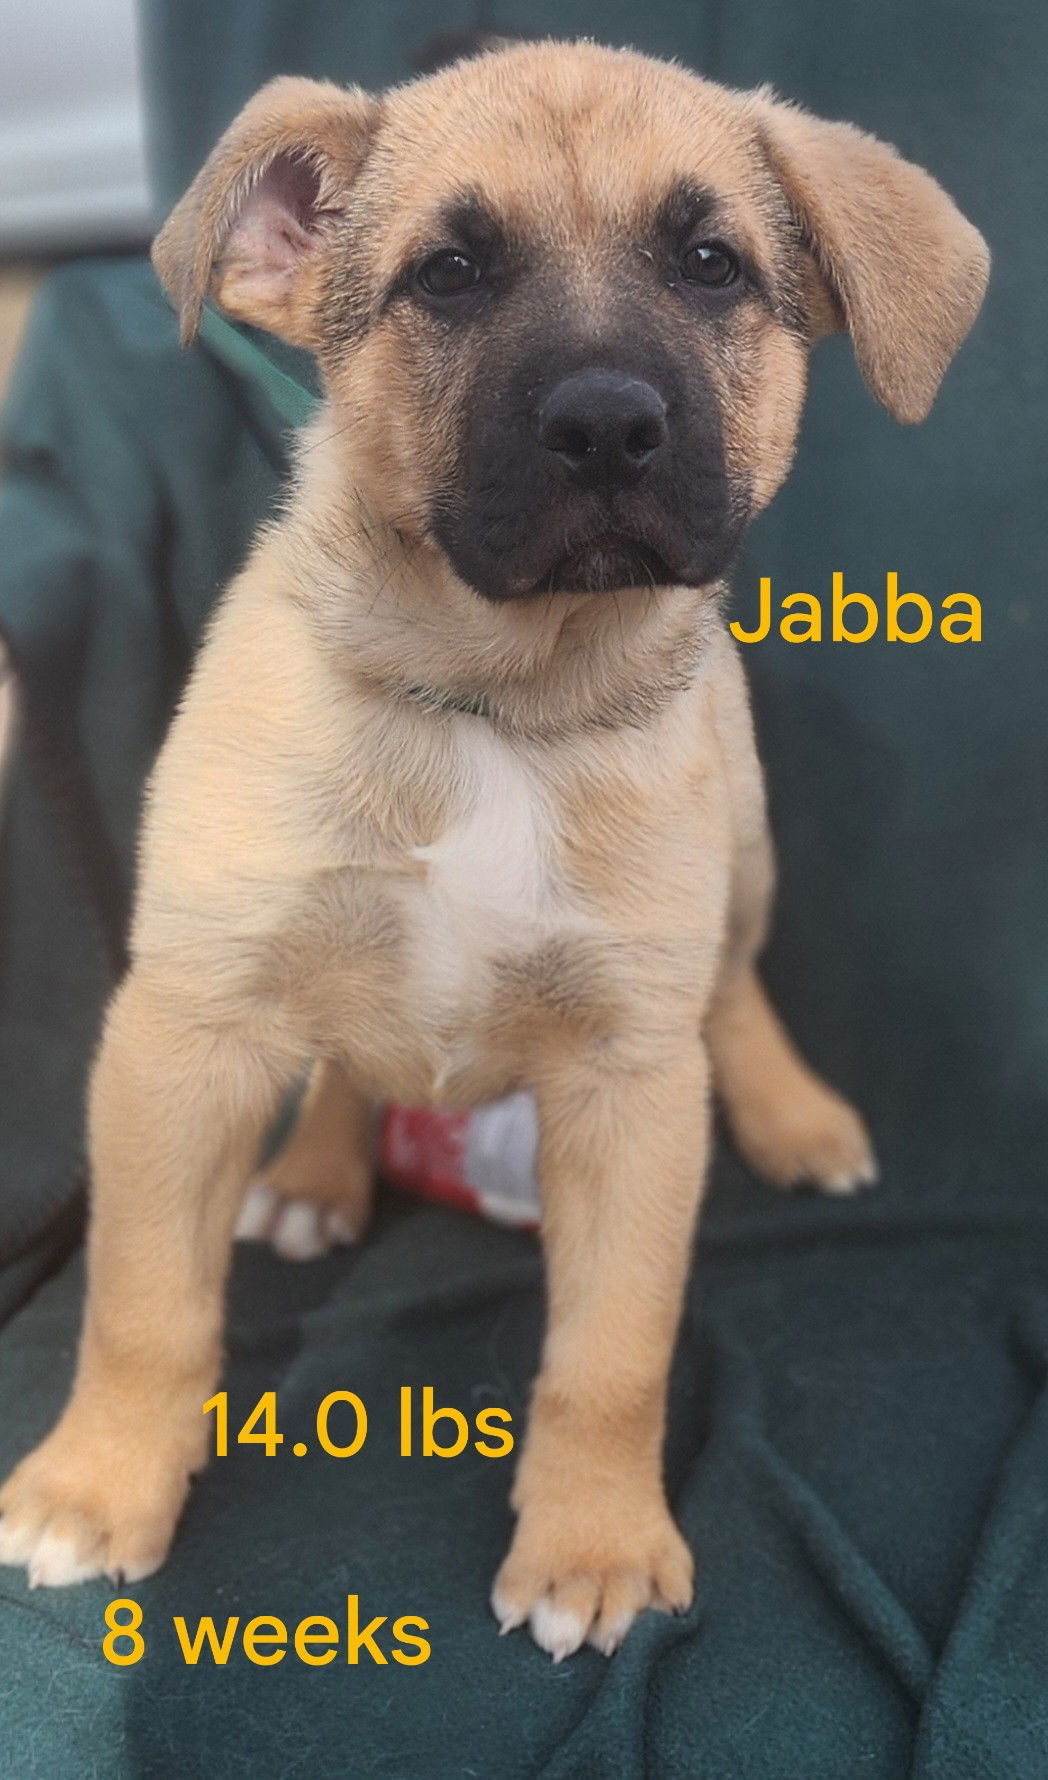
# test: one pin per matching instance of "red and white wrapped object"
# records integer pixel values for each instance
(481, 1161)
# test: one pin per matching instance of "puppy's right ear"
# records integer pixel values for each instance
(250, 226)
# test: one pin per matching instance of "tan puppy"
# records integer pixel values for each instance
(463, 793)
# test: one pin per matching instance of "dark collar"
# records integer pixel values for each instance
(435, 698)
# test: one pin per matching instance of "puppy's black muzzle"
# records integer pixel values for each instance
(586, 472)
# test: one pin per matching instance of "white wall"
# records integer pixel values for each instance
(72, 159)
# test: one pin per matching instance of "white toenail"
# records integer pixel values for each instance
(298, 1234)
(556, 1630)
(256, 1213)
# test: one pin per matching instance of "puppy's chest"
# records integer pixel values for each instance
(492, 884)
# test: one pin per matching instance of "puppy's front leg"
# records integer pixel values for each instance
(622, 1162)
(177, 1113)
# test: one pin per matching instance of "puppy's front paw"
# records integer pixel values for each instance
(806, 1136)
(79, 1507)
(583, 1573)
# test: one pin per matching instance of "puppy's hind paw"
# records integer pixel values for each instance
(808, 1136)
(296, 1229)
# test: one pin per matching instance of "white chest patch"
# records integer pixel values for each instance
(494, 860)
(491, 882)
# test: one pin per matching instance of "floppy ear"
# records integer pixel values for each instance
(249, 228)
(904, 271)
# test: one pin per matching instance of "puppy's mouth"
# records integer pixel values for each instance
(605, 563)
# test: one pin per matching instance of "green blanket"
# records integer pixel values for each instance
(858, 1441)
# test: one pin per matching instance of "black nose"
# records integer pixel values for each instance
(604, 426)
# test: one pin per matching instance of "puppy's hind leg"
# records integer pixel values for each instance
(317, 1192)
(788, 1124)
(177, 1112)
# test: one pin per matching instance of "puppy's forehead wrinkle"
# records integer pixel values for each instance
(561, 141)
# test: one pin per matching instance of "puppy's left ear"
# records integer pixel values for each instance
(903, 270)
(252, 226)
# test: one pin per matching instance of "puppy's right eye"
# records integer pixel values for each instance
(449, 273)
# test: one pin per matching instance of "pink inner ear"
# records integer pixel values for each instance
(276, 224)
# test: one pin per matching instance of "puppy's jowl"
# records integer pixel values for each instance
(463, 794)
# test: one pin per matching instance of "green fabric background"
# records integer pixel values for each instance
(858, 1446)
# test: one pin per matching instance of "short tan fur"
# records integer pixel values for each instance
(566, 889)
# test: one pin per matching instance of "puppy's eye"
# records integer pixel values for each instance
(708, 262)
(449, 273)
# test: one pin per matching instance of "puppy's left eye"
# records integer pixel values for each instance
(710, 263)
(449, 273)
